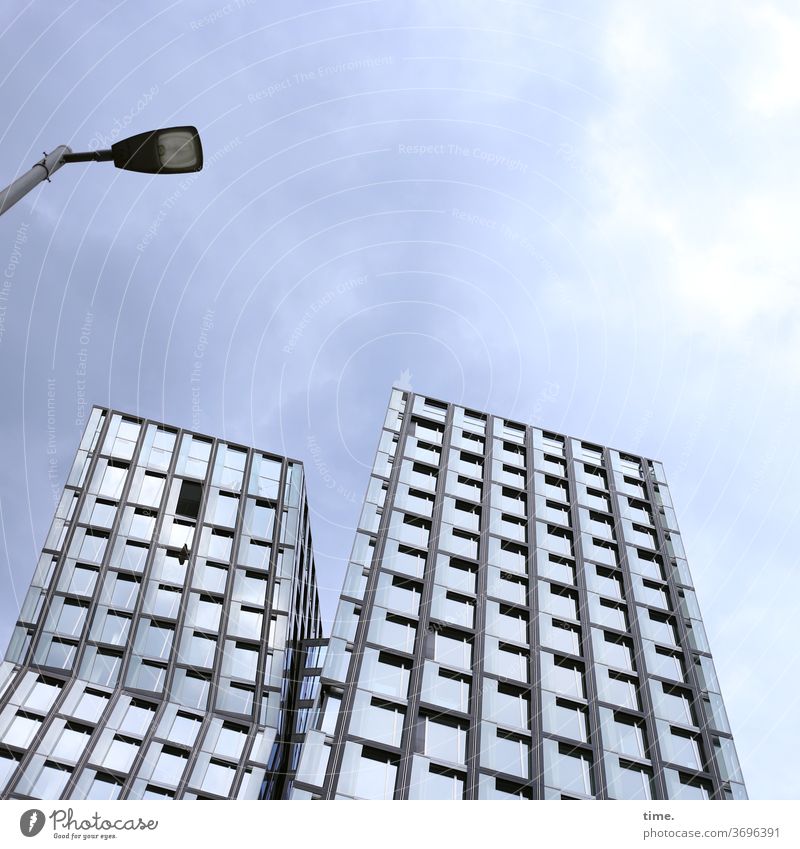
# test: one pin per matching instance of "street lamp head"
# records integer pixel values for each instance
(174, 150)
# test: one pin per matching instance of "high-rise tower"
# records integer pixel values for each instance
(154, 653)
(517, 622)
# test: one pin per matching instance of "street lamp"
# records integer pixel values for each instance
(173, 150)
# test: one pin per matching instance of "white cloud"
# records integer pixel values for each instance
(706, 191)
(770, 87)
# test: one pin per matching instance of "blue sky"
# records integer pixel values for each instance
(577, 214)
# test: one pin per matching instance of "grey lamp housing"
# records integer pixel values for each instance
(173, 150)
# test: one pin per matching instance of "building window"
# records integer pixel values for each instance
(137, 718)
(124, 590)
(453, 649)
(556, 568)
(184, 729)
(235, 698)
(597, 500)
(150, 490)
(559, 635)
(226, 508)
(240, 660)
(680, 747)
(388, 674)
(61, 654)
(193, 457)
(71, 618)
(125, 434)
(142, 524)
(245, 621)
(51, 781)
(177, 533)
(612, 650)
(623, 733)
(218, 778)
(376, 719)
(265, 477)
(502, 790)
(22, 730)
(562, 675)
(93, 547)
(91, 706)
(112, 481)
(628, 780)
(658, 627)
(376, 774)
(604, 581)
(229, 468)
(169, 767)
(102, 515)
(454, 609)
(199, 651)
(672, 703)
(567, 768)
(146, 675)
(564, 718)
(609, 614)
(156, 794)
(154, 640)
(102, 666)
(43, 695)
(83, 580)
(505, 704)
(115, 628)
(680, 786)
(230, 741)
(121, 754)
(249, 587)
(189, 499)
(445, 689)
(104, 787)
(617, 688)
(431, 781)
(505, 751)
(166, 601)
(665, 662)
(508, 622)
(8, 764)
(508, 660)
(71, 743)
(445, 740)
(190, 689)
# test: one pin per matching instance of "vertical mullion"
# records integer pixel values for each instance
(537, 735)
(688, 652)
(360, 638)
(653, 747)
(136, 615)
(479, 625)
(423, 624)
(590, 679)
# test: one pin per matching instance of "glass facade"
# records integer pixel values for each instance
(517, 622)
(156, 649)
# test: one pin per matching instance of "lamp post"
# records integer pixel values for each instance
(173, 150)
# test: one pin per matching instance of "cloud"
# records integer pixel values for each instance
(703, 189)
(770, 87)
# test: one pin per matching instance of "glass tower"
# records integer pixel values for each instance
(517, 622)
(155, 653)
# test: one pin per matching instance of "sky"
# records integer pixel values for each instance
(579, 215)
